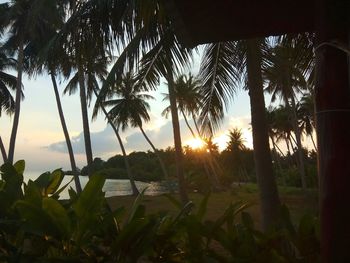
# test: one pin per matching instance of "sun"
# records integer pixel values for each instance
(195, 143)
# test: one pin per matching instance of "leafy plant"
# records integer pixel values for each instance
(36, 226)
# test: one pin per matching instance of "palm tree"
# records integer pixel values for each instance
(131, 108)
(161, 59)
(39, 57)
(235, 146)
(188, 98)
(165, 59)
(23, 21)
(286, 78)
(236, 140)
(282, 127)
(7, 83)
(84, 43)
(115, 128)
(222, 68)
(273, 132)
(66, 134)
(306, 116)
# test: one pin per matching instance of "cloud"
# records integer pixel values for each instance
(105, 143)
(102, 142)
(161, 137)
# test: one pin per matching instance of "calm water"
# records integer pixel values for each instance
(111, 187)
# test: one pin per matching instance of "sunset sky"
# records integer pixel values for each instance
(40, 139)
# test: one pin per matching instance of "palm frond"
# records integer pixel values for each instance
(219, 77)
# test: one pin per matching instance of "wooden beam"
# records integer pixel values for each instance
(203, 21)
(333, 126)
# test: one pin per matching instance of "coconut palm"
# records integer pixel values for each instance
(188, 98)
(223, 66)
(306, 116)
(272, 131)
(286, 79)
(151, 36)
(236, 140)
(23, 20)
(235, 146)
(160, 61)
(7, 82)
(41, 57)
(131, 108)
(283, 129)
(84, 43)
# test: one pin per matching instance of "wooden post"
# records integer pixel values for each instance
(333, 128)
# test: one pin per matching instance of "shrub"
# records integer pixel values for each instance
(35, 226)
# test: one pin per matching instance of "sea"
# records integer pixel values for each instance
(112, 187)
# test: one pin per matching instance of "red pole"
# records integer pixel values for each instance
(333, 128)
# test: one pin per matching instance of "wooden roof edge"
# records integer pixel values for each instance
(180, 27)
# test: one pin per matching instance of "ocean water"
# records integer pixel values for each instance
(111, 187)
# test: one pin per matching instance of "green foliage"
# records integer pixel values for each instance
(37, 227)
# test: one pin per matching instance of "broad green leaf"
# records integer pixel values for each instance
(43, 181)
(20, 166)
(135, 206)
(202, 209)
(173, 200)
(13, 182)
(89, 200)
(58, 215)
(70, 191)
(32, 194)
(247, 220)
(73, 196)
(88, 207)
(55, 180)
(36, 221)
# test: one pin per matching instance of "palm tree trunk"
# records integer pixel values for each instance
(85, 118)
(288, 144)
(134, 189)
(188, 125)
(297, 132)
(275, 146)
(313, 141)
(66, 135)
(196, 125)
(270, 203)
(11, 151)
(166, 176)
(177, 136)
(3, 151)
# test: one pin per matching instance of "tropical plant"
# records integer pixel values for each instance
(188, 99)
(7, 82)
(223, 67)
(286, 78)
(23, 21)
(38, 227)
(131, 108)
(306, 116)
(41, 57)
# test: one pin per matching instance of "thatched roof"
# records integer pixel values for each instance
(203, 21)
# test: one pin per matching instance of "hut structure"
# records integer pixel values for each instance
(206, 21)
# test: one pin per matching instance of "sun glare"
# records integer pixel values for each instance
(221, 141)
(195, 143)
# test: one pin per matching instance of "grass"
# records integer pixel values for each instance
(299, 203)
